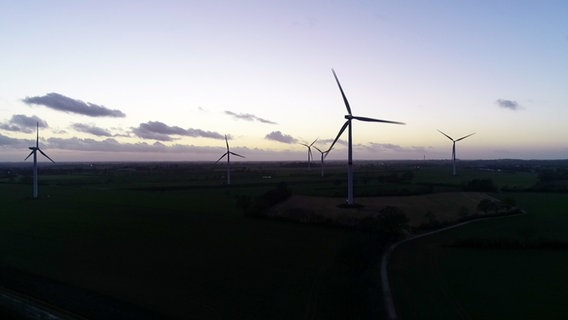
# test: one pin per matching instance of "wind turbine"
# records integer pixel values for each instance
(323, 155)
(454, 147)
(228, 154)
(34, 152)
(309, 146)
(349, 116)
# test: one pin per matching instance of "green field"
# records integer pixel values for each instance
(516, 270)
(172, 241)
(182, 248)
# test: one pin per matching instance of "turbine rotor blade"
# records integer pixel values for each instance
(37, 135)
(469, 135)
(227, 142)
(342, 93)
(236, 154)
(445, 135)
(223, 156)
(339, 135)
(45, 155)
(376, 120)
(29, 155)
(311, 144)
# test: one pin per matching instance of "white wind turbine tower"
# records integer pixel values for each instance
(323, 155)
(454, 148)
(34, 152)
(228, 154)
(309, 146)
(349, 116)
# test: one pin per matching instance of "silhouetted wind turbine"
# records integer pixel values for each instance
(454, 147)
(228, 154)
(323, 155)
(309, 146)
(34, 152)
(349, 116)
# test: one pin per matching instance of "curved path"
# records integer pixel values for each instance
(37, 297)
(387, 293)
(31, 308)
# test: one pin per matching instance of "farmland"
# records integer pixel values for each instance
(175, 244)
(503, 268)
(172, 241)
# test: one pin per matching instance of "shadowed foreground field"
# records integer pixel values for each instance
(185, 254)
(118, 241)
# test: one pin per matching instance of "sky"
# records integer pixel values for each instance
(169, 80)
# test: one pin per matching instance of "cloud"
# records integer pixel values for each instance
(508, 104)
(248, 117)
(385, 146)
(107, 145)
(156, 130)
(23, 123)
(60, 102)
(205, 134)
(280, 137)
(94, 130)
(394, 147)
(112, 145)
(12, 142)
(330, 141)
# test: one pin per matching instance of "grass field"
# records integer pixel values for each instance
(186, 251)
(171, 240)
(431, 279)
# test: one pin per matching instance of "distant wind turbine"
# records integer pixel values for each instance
(323, 155)
(349, 116)
(34, 152)
(309, 146)
(228, 154)
(454, 147)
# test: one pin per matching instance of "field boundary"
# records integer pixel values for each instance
(387, 293)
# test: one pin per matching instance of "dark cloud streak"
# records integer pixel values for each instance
(94, 130)
(60, 102)
(6, 141)
(508, 104)
(112, 145)
(248, 117)
(23, 123)
(393, 147)
(280, 137)
(160, 131)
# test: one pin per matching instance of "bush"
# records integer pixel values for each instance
(486, 205)
(390, 221)
(481, 185)
(258, 205)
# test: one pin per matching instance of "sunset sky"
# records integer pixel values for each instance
(167, 80)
